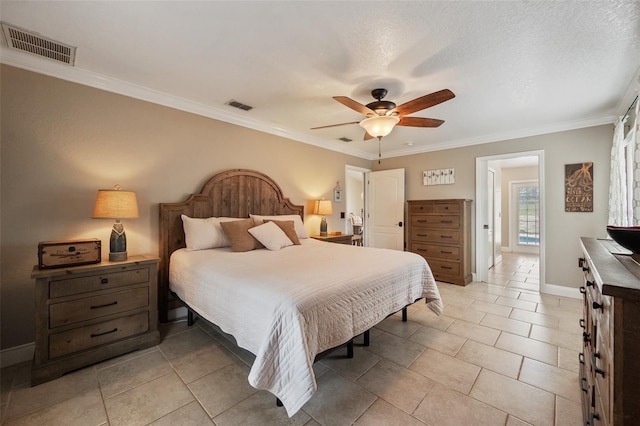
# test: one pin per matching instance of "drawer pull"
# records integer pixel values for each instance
(422, 235)
(590, 283)
(115, 302)
(597, 305)
(585, 269)
(446, 252)
(581, 359)
(586, 337)
(106, 332)
(582, 324)
(581, 387)
(104, 280)
(446, 267)
(421, 249)
(583, 290)
(446, 221)
(599, 371)
(421, 221)
(446, 236)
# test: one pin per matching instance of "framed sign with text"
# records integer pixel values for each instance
(578, 187)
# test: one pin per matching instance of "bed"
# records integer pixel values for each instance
(285, 306)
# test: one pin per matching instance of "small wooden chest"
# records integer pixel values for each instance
(60, 254)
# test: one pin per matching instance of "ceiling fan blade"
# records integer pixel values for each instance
(425, 101)
(367, 136)
(334, 125)
(356, 106)
(419, 122)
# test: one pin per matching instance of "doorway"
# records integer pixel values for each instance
(354, 196)
(486, 228)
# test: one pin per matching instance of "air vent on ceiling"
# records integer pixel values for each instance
(27, 41)
(345, 139)
(240, 105)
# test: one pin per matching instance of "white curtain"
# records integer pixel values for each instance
(618, 206)
(624, 189)
(634, 137)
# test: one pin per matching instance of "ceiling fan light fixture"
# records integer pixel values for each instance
(379, 126)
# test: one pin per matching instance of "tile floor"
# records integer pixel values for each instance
(501, 354)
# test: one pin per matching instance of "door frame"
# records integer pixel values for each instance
(481, 243)
(347, 194)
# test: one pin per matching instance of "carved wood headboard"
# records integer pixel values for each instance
(233, 193)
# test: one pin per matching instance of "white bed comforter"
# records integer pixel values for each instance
(287, 306)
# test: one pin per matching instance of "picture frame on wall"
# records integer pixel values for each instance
(578, 187)
(337, 195)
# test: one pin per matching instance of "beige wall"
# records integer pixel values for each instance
(61, 142)
(563, 230)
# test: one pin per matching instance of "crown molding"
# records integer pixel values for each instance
(55, 69)
(504, 136)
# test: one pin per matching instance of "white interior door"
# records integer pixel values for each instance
(385, 199)
(491, 178)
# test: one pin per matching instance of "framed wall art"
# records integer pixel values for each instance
(337, 193)
(578, 187)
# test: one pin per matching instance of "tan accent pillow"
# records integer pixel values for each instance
(271, 236)
(237, 232)
(297, 222)
(288, 227)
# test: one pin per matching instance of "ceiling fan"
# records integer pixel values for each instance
(382, 116)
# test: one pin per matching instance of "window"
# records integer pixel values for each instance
(528, 214)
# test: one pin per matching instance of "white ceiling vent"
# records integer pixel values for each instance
(34, 43)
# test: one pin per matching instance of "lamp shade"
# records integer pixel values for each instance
(379, 125)
(323, 207)
(115, 204)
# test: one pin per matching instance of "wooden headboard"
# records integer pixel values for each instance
(233, 193)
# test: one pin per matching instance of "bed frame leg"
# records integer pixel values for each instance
(190, 320)
(278, 402)
(350, 349)
(404, 314)
(366, 338)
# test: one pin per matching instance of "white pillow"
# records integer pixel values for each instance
(203, 234)
(297, 222)
(271, 236)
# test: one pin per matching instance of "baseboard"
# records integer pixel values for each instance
(17, 354)
(560, 290)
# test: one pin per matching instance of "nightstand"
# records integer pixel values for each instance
(340, 239)
(90, 313)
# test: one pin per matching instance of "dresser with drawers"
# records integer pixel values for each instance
(610, 361)
(90, 313)
(440, 231)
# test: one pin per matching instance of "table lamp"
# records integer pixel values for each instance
(116, 204)
(323, 207)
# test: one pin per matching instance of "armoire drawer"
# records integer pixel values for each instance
(442, 236)
(443, 267)
(440, 221)
(436, 251)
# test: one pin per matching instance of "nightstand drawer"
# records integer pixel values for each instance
(82, 338)
(437, 251)
(441, 221)
(97, 306)
(71, 286)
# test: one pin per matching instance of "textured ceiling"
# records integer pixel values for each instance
(517, 68)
